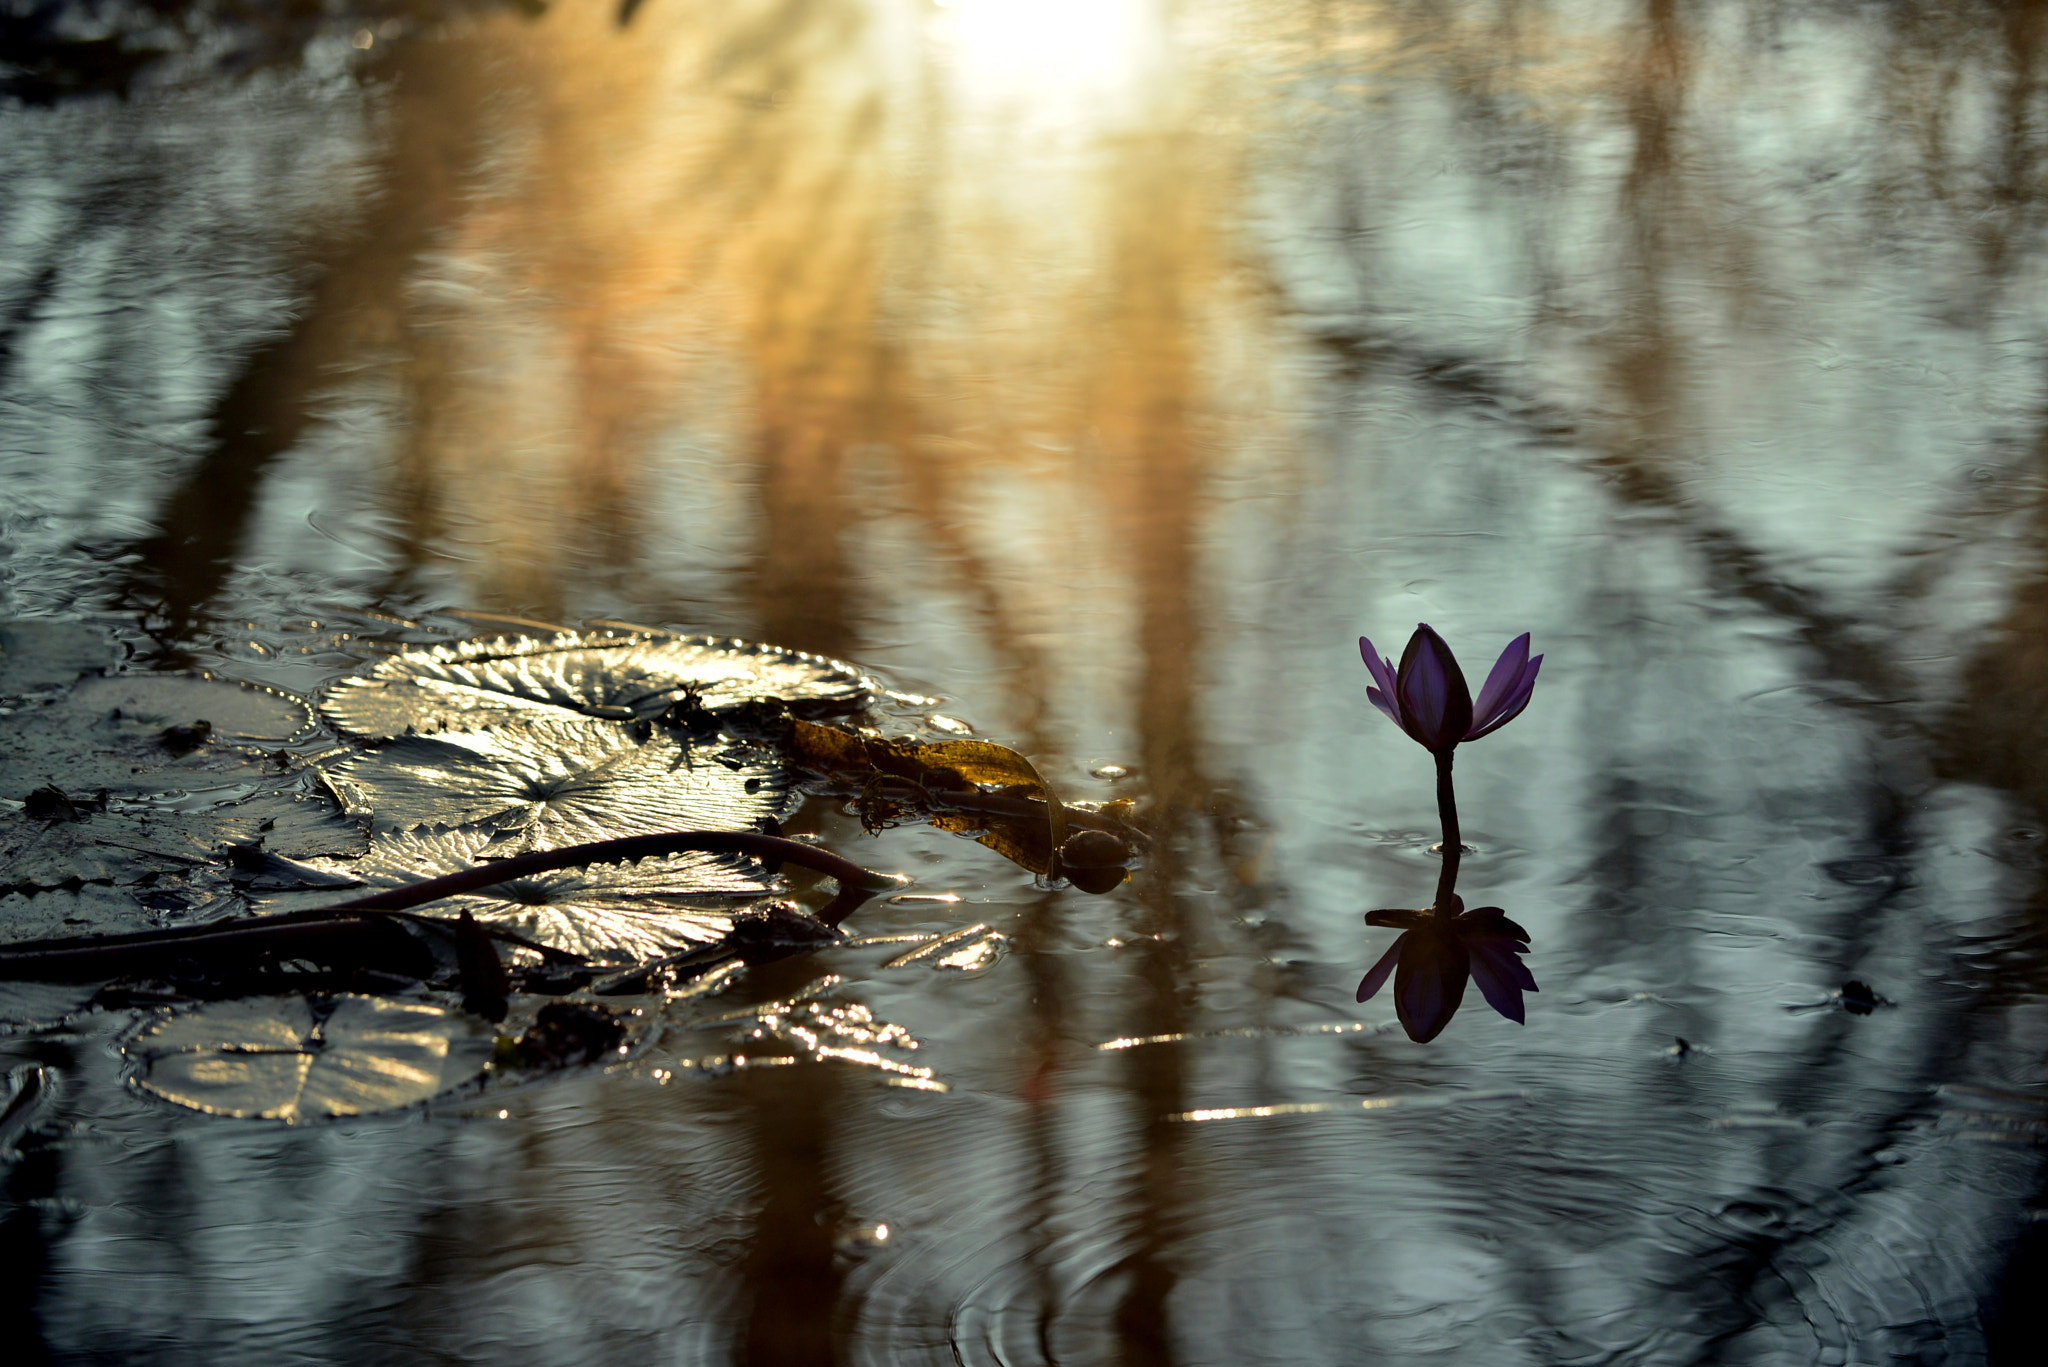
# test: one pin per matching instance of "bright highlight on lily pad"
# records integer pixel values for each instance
(549, 783)
(608, 913)
(299, 1059)
(475, 685)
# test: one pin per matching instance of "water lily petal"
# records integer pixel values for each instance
(1518, 972)
(1373, 981)
(1379, 700)
(1429, 981)
(1400, 918)
(1490, 921)
(1494, 969)
(1500, 681)
(1436, 705)
(1511, 706)
(1382, 668)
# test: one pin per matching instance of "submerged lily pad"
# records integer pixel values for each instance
(606, 912)
(289, 822)
(40, 654)
(548, 784)
(86, 909)
(473, 685)
(146, 732)
(297, 1059)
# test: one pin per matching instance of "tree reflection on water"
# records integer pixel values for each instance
(1103, 373)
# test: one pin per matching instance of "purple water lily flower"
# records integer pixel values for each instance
(1428, 697)
(1434, 956)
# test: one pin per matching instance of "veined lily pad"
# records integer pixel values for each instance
(295, 1059)
(547, 784)
(133, 733)
(40, 654)
(473, 685)
(617, 912)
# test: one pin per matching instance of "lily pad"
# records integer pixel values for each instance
(553, 783)
(132, 733)
(473, 685)
(297, 1059)
(119, 847)
(40, 654)
(285, 821)
(58, 913)
(606, 912)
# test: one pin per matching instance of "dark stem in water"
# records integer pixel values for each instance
(344, 932)
(1447, 809)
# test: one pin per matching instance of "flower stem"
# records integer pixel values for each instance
(1447, 810)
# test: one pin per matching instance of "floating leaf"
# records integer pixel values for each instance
(297, 1059)
(607, 912)
(473, 685)
(85, 909)
(1027, 835)
(291, 823)
(40, 654)
(106, 847)
(549, 784)
(146, 732)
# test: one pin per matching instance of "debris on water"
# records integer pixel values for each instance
(1855, 997)
(183, 740)
(485, 986)
(1093, 861)
(776, 930)
(565, 1035)
(49, 803)
(28, 1087)
(1683, 1050)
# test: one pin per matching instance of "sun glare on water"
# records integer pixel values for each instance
(1070, 59)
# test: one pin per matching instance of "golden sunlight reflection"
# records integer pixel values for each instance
(723, 289)
(1054, 58)
(1370, 1103)
(1263, 1032)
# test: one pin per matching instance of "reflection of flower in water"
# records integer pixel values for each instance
(1443, 944)
(1434, 956)
(1428, 697)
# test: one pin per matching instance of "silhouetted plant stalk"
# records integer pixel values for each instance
(364, 931)
(1443, 944)
(1453, 845)
(856, 883)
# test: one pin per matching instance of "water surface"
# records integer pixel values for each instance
(1102, 370)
